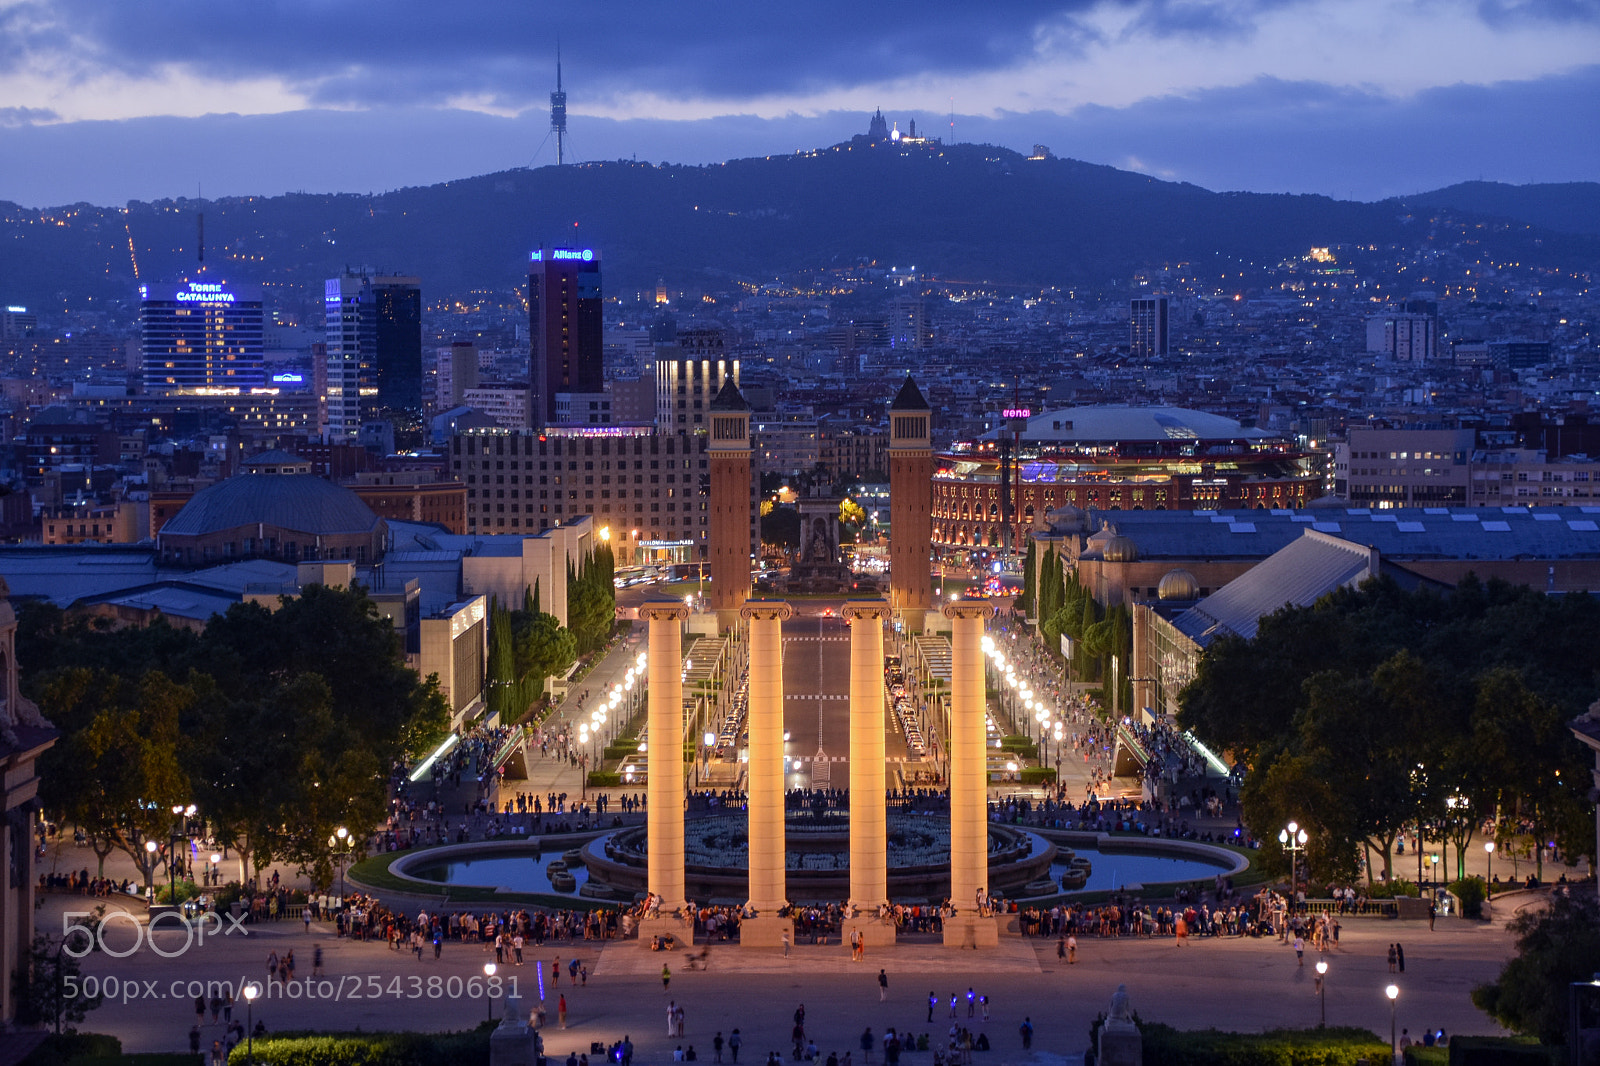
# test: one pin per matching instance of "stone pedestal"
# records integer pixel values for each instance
(1120, 1045)
(680, 929)
(869, 843)
(768, 873)
(765, 932)
(513, 1042)
(969, 775)
(879, 932)
(971, 930)
(664, 758)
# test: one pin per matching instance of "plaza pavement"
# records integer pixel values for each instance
(1225, 983)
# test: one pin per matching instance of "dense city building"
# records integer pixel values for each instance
(566, 345)
(1110, 458)
(1149, 331)
(372, 365)
(201, 335)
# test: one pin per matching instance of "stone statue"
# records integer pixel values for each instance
(1121, 1011)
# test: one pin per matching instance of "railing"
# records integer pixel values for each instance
(1381, 908)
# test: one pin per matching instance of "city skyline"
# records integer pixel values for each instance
(1360, 100)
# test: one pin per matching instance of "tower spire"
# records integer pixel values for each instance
(558, 112)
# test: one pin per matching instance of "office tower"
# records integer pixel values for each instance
(457, 371)
(566, 347)
(1147, 326)
(373, 363)
(689, 374)
(908, 323)
(396, 364)
(204, 334)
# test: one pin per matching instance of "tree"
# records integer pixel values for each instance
(1555, 947)
(49, 988)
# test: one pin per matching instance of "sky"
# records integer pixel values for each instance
(107, 101)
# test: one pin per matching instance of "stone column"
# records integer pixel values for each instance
(969, 784)
(664, 758)
(869, 859)
(768, 877)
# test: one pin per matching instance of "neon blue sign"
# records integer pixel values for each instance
(204, 292)
(288, 379)
(584, 254)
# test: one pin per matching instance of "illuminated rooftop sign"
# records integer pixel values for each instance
(583, 254)
(1018, 412)
(17, 309)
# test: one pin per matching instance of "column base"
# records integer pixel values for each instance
(879, 932)
(971, 931)
(765, 932)
(681, 930)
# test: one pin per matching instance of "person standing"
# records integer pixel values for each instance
(1072, 949)
(883, 986)
(716, 1047)
(1391, 958)
(1400, 957)
(734, 1040)
(672, 1018)
(561, 1010)
(666, 977)
(1026, 1029)
(933, 1001)
(786, 943)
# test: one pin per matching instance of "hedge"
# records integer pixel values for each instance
(604, 779)
(1281, 1047)
(1489, 1051)
(70, 1047)
(621, 749)
(370, 1049)
(1471, 891)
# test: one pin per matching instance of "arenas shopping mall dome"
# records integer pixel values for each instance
(1111, 458)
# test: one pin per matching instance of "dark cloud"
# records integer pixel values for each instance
(25, 116)
(1268, 136)
(420, 50)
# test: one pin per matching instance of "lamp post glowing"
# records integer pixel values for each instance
(1293, 839)
(1393, 992)
(1488, 877)
(1322, 998)
(251, 991)
(340, 843)
(216, 859)
(488, 973)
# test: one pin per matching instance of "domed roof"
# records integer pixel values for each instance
(1067, 519)
(1119, 549)
(1178, 585)
(301, 502)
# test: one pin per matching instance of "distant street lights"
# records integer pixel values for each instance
(1293, 839)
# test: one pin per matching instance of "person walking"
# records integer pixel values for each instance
(1400, 957)
(1026, 1029)
(716, 1047)
(561, 1010)
(1391, 958)
(1072, 949)
(672, 1018)
(666, 977)
(734, 1040)
(883, 986)
(786, 943)
(1299, 950)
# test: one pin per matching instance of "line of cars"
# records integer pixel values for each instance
(905, 711)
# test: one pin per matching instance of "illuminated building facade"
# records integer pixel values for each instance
(1111, 458)
(372, 364)
(566, 344)
(201, 335)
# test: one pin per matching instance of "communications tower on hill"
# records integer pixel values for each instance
(558, 113)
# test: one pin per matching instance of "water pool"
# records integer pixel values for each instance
(1114, 870)
(514, 873)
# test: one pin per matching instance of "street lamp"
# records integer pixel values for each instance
(1393, 992)
(1293, 839)
(216, 859)
(1488, 878)
(1322, 999)
(488, 973)
(251, 991)
(150, 850)
(172, 874)
(340, 843)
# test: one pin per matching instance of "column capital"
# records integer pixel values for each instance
(766, 610)
(870, 610)
(968, 609)
(663, 610)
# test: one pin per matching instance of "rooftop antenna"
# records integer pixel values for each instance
(558, 111)
(200, 225)
(952, 120)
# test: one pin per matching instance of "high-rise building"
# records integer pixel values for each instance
(396, 365)
(373, 362)
(1406, 338)
(566, 344)
(204, 334)
(689, 374)
(1148, 334)
(456, 371)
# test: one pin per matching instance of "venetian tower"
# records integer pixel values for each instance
(910, 505)
(729, 454)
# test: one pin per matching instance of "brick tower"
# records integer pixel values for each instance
(910, 505)
(729, 453)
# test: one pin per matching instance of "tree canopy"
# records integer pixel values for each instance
(1378, 707)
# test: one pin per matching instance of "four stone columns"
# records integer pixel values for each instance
(969, 775)
(664, 759)
(768, 880)
(869, 865)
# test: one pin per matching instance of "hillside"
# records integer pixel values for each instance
(971, 213)
(1573, 207)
